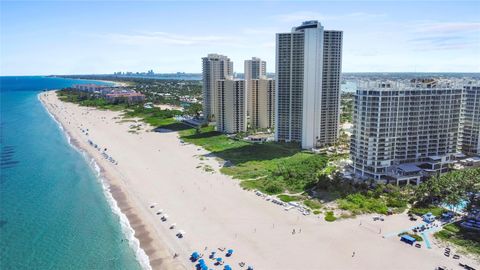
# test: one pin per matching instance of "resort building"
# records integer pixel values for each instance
(470, 142)
(308, 67)
(128, 97)
(231, 112)
(254, 69)
(262, 101)
(404, 131)
(214, 67)
(90, 88)
(112, 94)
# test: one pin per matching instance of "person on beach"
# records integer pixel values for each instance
(353, 254)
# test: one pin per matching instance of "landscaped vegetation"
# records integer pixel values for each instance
(153, 116)
(272, 168)
(89, 100)
(289, 198)
(447, 189)
(466, 239)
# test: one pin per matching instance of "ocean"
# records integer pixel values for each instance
(55, 213)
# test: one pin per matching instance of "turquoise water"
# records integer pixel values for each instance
(53, 210)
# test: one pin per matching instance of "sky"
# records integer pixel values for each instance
(98, 37)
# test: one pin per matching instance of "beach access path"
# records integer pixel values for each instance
(156, 169)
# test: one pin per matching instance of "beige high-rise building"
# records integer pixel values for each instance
(214, 67)
(262, 101)
(254, 69)
(231, 115)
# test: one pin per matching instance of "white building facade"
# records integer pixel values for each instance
(470, 142)
(403, 131)
(232, 107)
(308, 68)
(214, 67)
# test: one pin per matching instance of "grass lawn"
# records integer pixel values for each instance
(420, 211)
(313, 204)
(269, 167)
(289, 198)
(468, 240)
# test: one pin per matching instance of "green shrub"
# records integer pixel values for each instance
(420, 211)
(273, 187)
(317, 212)
(288, 198)
(330, 217)
(313, 204)
(358, 203)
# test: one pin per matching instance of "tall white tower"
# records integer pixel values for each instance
(308, 68)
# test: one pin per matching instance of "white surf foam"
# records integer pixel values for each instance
(127, 229)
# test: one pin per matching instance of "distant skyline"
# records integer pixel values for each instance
(87, 37)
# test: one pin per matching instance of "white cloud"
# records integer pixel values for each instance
(299, 16)
(164, 38)
(450, 27)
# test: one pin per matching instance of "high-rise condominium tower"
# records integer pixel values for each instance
(262, 100)
(254, 69)
(308, 67)
(404, 130)
(232, 107)
(470, 142)
(214, 67)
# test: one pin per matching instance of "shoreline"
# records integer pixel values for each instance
(157, 256)
(156, 169)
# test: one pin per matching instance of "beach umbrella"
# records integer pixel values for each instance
(195, 255)
(201, 261)
(219, 259)
(227, 267)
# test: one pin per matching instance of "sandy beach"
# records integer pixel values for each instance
(156, 169)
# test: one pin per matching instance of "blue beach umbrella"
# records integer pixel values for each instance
(219, 259)
(227, 267)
